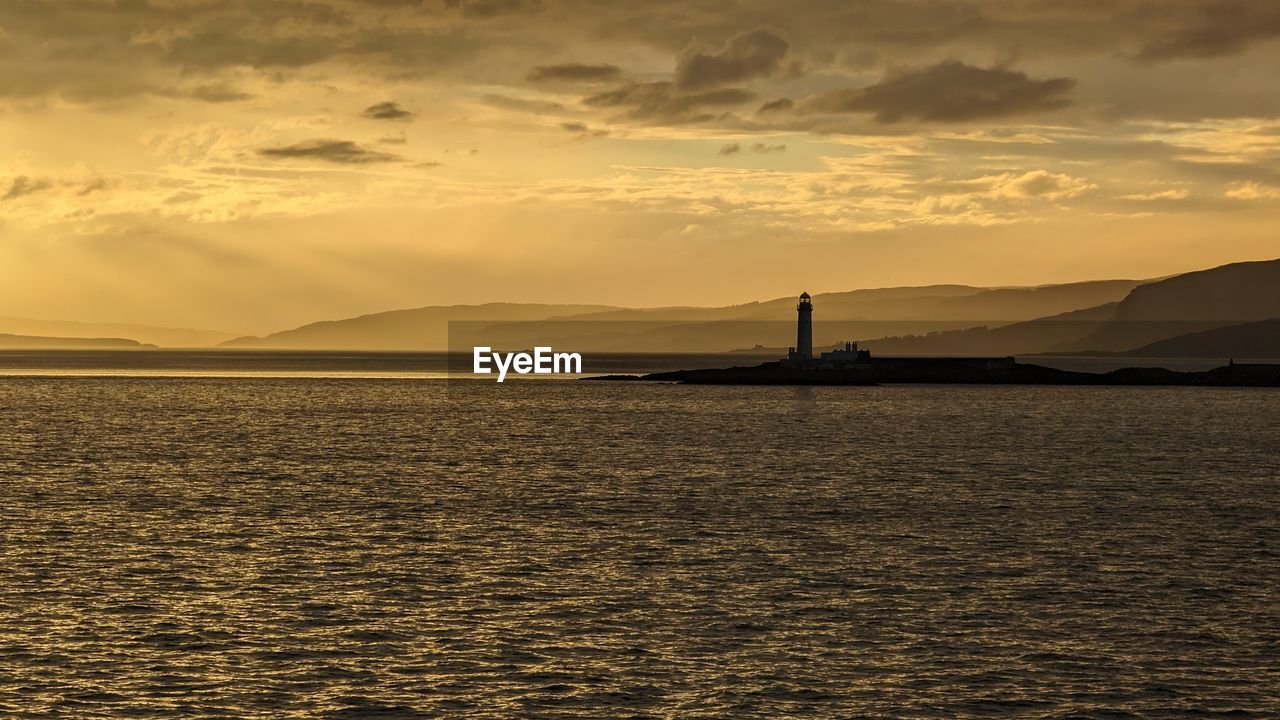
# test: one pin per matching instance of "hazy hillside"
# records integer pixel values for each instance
(1256, 340)
(851, 305)
(838, 316)
(33, 342)
(978, 306)
(162, 336)
(675, 337)
(424, 328)
(876, 313)
(928, 304)
(1021, 338)
(1189, 303)
(1150, 312)
(1106, 316)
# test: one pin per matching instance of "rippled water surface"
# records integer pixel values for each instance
(404, 548)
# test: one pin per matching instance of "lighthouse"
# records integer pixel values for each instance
(804, 328)
(801, 356)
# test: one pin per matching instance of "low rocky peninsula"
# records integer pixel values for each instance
(988, 371)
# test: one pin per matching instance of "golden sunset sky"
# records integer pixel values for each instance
(255, 165)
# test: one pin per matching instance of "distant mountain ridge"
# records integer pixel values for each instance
(1255, 340)
(694, 329)
(424, 328)
(928, 303)
(36, 342)
(1195, 301)
(996, 305)
(1022, 338)
(1161, 310)
(1105, 316)
(145, 334)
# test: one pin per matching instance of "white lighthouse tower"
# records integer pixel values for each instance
(804, 328)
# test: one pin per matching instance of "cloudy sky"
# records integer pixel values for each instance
(253, 165)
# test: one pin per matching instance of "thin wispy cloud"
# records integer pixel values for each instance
(336, 151)
(387, 111)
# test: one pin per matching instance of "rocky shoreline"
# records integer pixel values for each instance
(978, 371)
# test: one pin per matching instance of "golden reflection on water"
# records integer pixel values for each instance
(293, 547)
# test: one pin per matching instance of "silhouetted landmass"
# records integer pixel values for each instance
(1021, 338)
(1150, 312)
(145, 334)
(925, 304)
(1190, 303)
(882, 303)
(1248, 340)
(846, 315)
(424, 328)
(986, 371)
(34, 342)
(989, 306)
(942, 320)
(605, 336)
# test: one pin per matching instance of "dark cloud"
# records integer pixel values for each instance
(538, 107)
(776, 105)
(224, 45)
(76, 49)
(486, 9)
(25, 185)
(949, 91)
(216, 93)
(584, 131)
(276, 36)
(406, 52)
(388, 110)
(575, 72)
(661, 102)
(209, 92)
(745, 56)
(758, 148)
(1218, 29)
(336, 151)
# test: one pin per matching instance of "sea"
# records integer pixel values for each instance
(310, 535)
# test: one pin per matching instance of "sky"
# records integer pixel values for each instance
(254, 165)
